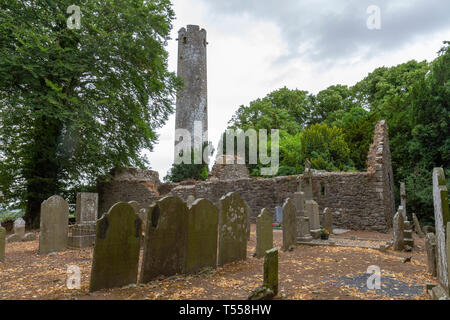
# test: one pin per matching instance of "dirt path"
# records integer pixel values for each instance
(308, 272)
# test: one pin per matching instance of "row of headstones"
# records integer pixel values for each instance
(179, 239)
(438, 244)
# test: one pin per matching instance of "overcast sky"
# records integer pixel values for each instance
(257, 46)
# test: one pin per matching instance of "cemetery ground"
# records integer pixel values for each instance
(307, 272)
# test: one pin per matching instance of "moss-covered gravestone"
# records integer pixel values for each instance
(203, 222)
(54, 225)
(264, 233)
(165, 244)
(116, 249)
(289, 225)
(2, 243)
(441, 218)
(232, 229)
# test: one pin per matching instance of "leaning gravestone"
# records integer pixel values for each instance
(289, 225)
(116, 251)
(430, 245)
(398, 231)
(264, 233)
(2, 243)
(232, 229)
(203, 223)
(441, 217)
(165, 244)
(328, 220)
(312, 211)
(54, 225)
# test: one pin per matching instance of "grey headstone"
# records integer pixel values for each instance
(417, 227)
(289, 225)
(54, 225)
(202, 233)
(165, 244)
(232, 229)
(328, 220)
(441, 218)
(87, 207)
(19, 228)
(264, 233)
(299, 202)
(398, 232)
(312, 211)
(430, 245)
(278, 214)
(2, 243)
(116, 251)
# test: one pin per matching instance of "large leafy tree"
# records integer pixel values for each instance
(76, 102)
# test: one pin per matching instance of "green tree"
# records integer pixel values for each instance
(77, 102)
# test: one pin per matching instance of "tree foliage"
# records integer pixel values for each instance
(77, 102)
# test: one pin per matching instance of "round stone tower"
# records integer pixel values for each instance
(192, 102)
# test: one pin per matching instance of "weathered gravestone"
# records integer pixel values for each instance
(232, 229)
(54, 225)
(289, 225)
(203, 222)
(116, 251)
(304, 234)
(430, 245)
(83, 232)
(441, 218)
(19, 231)
(328, 220)
(417, 227)
(264, 233)
(398, 231)
(190, 200)
(278, 214)
(165, 244)
(269, 289)
(2, 243)
(299, 202)
(312, 211)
